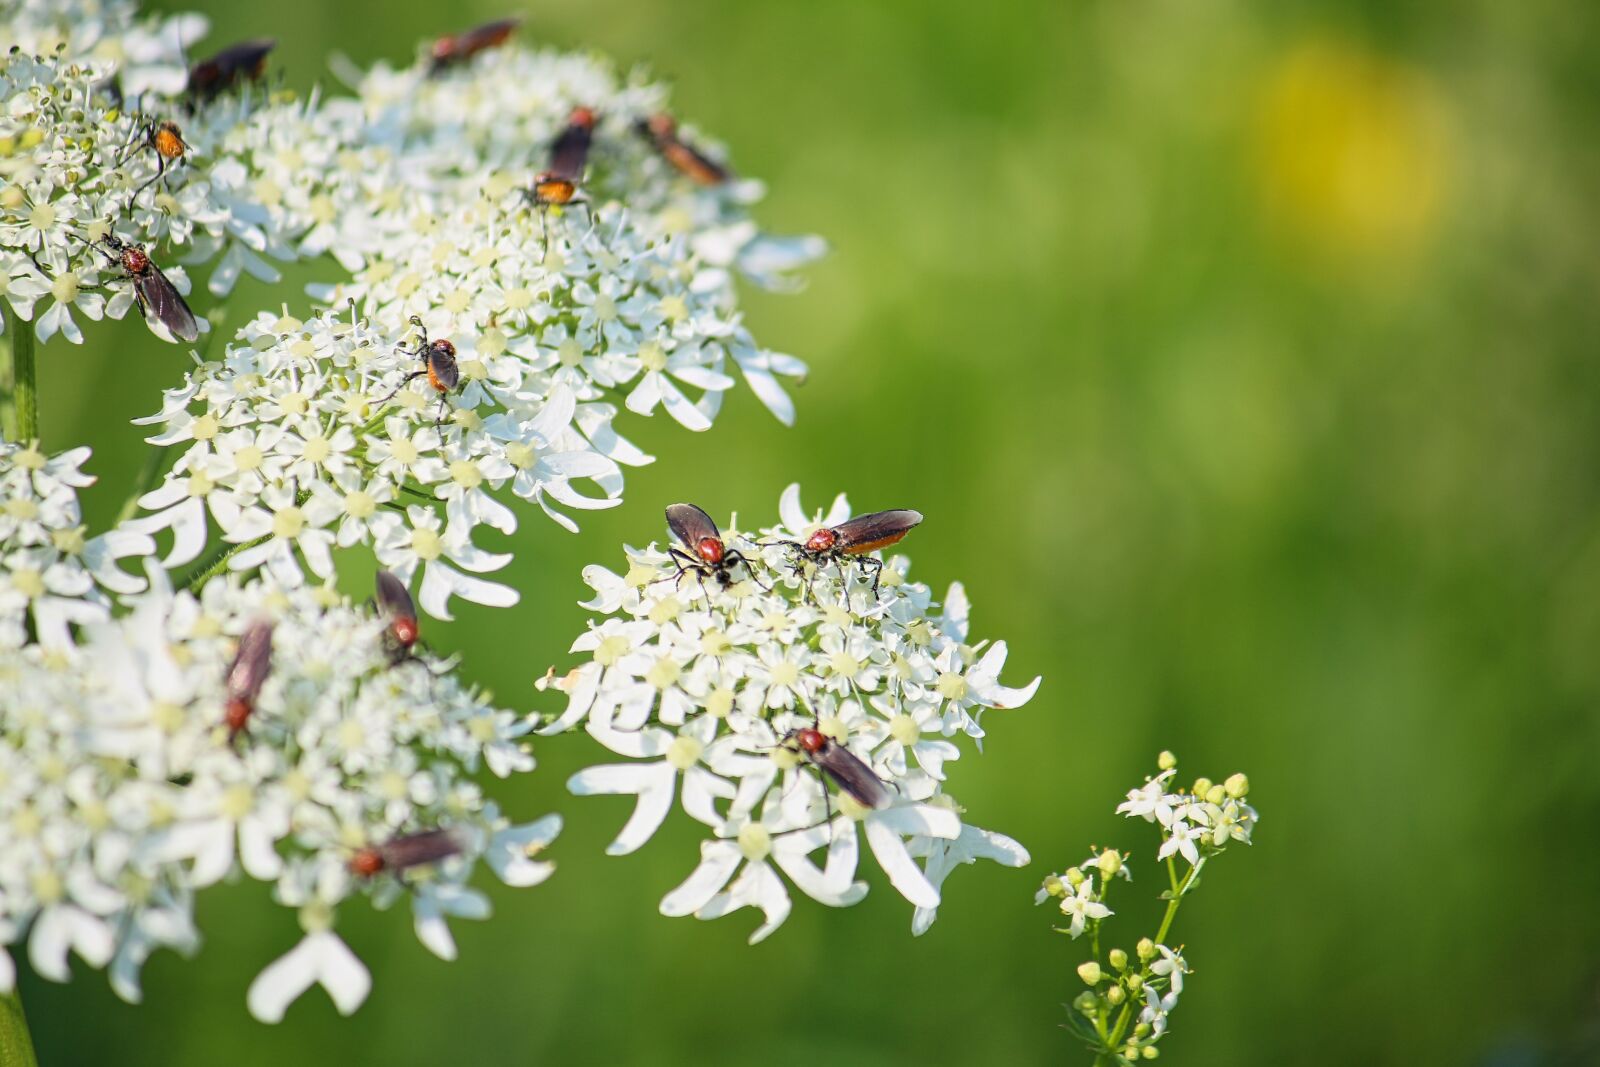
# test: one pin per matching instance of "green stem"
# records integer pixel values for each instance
(16, 1043)
(1177, 896)
(1178, 890)
(216, 565)
(18, 372)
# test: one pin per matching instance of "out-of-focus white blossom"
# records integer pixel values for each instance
(122, 790)
(52, 574)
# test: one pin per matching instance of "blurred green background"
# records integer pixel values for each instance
(1243, 359)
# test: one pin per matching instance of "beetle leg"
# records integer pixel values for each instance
(161, 168)
(408, 379)
(877, 572)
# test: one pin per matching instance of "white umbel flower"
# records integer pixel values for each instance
(128, 780)
(703, 686)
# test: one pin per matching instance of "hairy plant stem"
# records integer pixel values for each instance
(18, 377)
(16, 1043)
(217, 562)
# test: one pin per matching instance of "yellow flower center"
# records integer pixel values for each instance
(288, 522)
(612, 649)
(235, 802)
(166, 716)
(28, 582)
(426, 544)
(47, 887)
(521, 456)
(684, 752)
(268, 192)
(664, 673)
(70, 542)
(22, 510)
(755, 842)
(719, 703)
(651, 357)
(491, 342)
(844, 664)
(904, 729)
(360, 504)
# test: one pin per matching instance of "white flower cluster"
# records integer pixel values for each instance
(147, 51)
(1196, 824)
(88, 154)
(124, 787)
(627, 293)
(52, 575)
(417, 186)
(144, 755)
(556, 318)
(702, 686)
(295, 450)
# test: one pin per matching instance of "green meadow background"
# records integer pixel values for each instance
(1243, 358)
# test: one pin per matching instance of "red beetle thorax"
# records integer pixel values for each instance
(710, 549)
(443, 348)
(236, 715)
(405, 631)
(366, 862)
(582, 116)
(811, 740)
(134, 261)
(822, 540)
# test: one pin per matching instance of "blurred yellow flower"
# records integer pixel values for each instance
(1352, 148)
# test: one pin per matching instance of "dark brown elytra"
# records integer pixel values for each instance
(557, 185)
(458, 48)
(851, 540)
(153, 291)
(395, 603)
(701, 550)
(252, 662)
(438, 366)
(246, 60)
(404, 852)
(843, 767)
(661, 130)
(569, 152)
